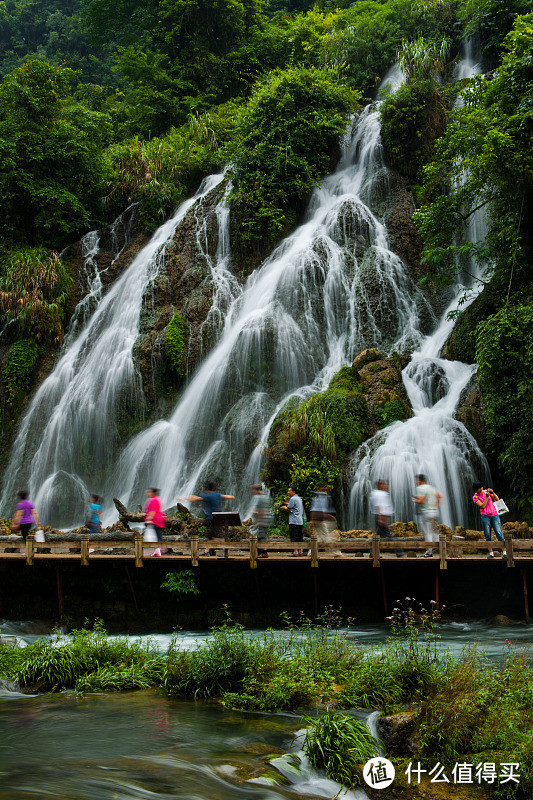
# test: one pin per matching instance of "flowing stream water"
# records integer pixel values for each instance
(144, 745)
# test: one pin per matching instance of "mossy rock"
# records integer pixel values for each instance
(366, 357)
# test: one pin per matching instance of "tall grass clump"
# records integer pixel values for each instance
(53, 665)
(266, 673)
(221, 665)
(339, 744)
(479, 707)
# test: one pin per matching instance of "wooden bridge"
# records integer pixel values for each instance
(367, 553)
(371, 552)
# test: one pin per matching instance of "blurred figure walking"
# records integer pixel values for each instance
(25, 515)
(154, 520)
(429, 500)
(212, 502)
(382, 508)
(262, 515)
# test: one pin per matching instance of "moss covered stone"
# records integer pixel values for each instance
(19, 367)
(176, 339)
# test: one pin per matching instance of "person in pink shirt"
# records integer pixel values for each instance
(155, 516)
(484, 499)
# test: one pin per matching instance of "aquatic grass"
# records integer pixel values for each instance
(52, 665)
(120, 678)
(339, 744)
(222, 665)
(11, 659)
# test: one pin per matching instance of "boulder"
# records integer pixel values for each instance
(404, 529)
(518, 530)
(501, 619)
(366, 357)
(399, 733)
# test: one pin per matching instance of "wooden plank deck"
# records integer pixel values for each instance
(371, 552)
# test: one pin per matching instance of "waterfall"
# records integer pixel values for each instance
(328, 290)
(69, 436)
(432, 441)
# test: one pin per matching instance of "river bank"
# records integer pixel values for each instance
(462, 705)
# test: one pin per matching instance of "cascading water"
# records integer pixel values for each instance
(90, 276)
(68, 439)
(329, 290)
(432, 441)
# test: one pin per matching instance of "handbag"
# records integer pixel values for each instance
(149, 534)
(39, 535)
(500, 506)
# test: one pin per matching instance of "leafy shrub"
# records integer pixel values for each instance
(35, 287)
(412, 119)
(181, 583)
(221, 665)
(286, 138)
(339, 743)
(308, 442)
(18, 369)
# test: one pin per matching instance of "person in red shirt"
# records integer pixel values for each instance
(484, 499)
(155, 517)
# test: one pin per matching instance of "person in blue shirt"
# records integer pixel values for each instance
(94, 514)
(212, 501)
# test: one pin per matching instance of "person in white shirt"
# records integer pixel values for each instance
(382, 508)
(429, 500)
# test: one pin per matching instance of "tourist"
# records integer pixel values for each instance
(94, 514)
(25, 515)
(382, 508)
(429, 500)
(484, 499)
(261, 515)
(295, 509)
(323, 518)
(154, 520)
(212, 500)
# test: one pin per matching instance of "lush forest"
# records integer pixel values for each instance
(105, 104)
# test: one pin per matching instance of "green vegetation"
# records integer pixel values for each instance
(309, 442)
(339, 744)
(18, 367)
(462, 708)
(52, 156)
(177, 339)
(181, 583)
(505, 354)
(286, 137)
(35, 290)
(88, 661)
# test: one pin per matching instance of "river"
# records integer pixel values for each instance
(145, 745)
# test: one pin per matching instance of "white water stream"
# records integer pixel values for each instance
(432, 441)
(68, 438)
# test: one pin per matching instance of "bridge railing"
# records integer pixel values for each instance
(374, 551)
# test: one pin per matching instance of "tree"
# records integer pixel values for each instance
(287, 137)
(485, 160)
(52, 167)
